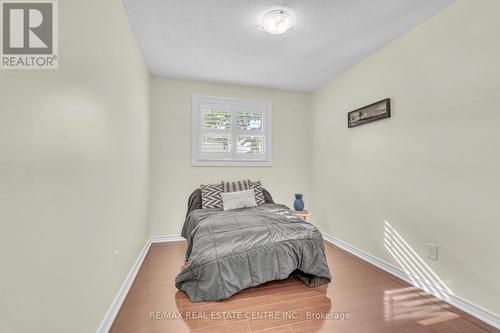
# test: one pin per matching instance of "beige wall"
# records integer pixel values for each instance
(172, 176)
(73, 174)
(432, 170)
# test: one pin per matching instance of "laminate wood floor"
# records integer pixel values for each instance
(361, 298)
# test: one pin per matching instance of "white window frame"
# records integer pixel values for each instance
(231, 158)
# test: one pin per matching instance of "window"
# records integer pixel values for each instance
(231, 132)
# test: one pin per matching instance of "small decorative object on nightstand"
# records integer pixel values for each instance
(304, 214)
(298, 204)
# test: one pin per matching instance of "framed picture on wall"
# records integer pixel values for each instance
(373, 112)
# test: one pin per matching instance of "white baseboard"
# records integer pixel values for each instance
(106, 323)
(166, 238)
(110, 316)
(487, 316)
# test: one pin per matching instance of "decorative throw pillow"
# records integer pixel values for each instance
(210, 196)
(259, 195)
(240, 185)
(240, 199)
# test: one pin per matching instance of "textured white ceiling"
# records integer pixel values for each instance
(220, 40)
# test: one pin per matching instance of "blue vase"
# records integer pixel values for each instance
(298, 203)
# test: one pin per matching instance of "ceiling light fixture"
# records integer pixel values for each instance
(276, 22)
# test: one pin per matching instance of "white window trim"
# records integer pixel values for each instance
(197, 131)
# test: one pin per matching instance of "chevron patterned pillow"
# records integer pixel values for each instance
(210, 196)
(259, 195)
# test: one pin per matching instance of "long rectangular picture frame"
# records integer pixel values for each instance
(367, 114)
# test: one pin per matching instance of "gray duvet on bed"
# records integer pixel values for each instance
(229, 251)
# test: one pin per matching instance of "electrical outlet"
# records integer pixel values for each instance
(117, 254)
(432, 251)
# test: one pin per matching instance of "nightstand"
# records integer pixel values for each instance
(304, 214)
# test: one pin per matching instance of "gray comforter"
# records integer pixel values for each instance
(233, 250)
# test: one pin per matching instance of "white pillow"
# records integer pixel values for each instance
(240, 199)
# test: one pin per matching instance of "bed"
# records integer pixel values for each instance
(229, 251)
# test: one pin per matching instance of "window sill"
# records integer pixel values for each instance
(232, 163)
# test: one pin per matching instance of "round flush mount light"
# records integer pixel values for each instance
(276, 22)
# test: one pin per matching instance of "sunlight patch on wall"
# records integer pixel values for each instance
(413, 265)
